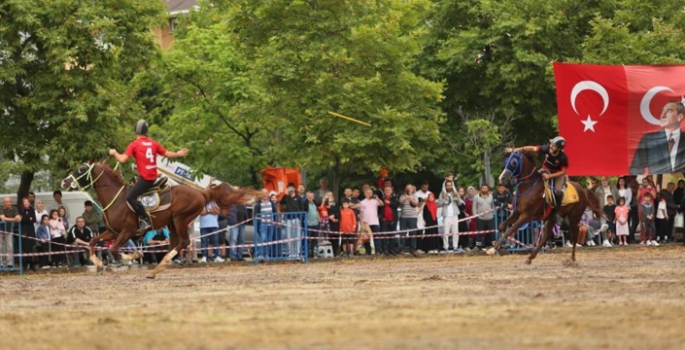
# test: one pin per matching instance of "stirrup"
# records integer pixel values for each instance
(145, 224)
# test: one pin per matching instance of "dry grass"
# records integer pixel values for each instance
(619, 299)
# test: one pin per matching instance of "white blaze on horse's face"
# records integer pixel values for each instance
(504, 176)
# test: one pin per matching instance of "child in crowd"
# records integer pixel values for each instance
(43, 243)
(348, 227)
(609, 212)
(622, 213)
(58, 234)
(647, 218)
(662, 218)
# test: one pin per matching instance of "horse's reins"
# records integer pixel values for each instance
(519, 180)
(89, 174)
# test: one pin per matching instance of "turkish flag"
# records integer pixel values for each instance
(611, 118)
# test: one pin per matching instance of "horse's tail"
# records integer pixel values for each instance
(593, 203)
(226, 195)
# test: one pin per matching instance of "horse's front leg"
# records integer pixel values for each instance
(123, 236)
(522, 219)
(91, 247)
(510, 220)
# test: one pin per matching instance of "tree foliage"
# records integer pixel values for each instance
(496, 55)
(64, 66)
(276, 68)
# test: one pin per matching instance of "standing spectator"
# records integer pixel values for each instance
(408, 216)
(623, 190)
(388, 221)
(223, 228)
(28, 233)
(158, 240)
(57, 196)
(91, 217)
(503, 203)
(43, 242)
(423, 192)
(468, 207)
(679, 192)
(662, 217)
(320, 194)
(40, 211)
(382, 178)
(605, 190)
(348, 227)
(463, 241)
(334, 223)
(10, 217)
(58, 238)
(209, 227)
(483, 206)
(32, 200)
(621, 219)
(237, 235)
(323, 209)
(610, 213)
(312, 209)
(63, 215)
(302, 195)
(80, 235)
(264, 211)
(671, 210)
(292, 204)
(432, 242)
(634, 204)
(354, 200)
(356, 194)
(449, 202)
(647, 219)
(369, 214)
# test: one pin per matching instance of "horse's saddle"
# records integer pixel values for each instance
(570, 194)
(157, 198)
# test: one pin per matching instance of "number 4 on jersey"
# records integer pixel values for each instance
(149, 155)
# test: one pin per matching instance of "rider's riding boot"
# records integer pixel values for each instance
(143, 217)
(558, 198)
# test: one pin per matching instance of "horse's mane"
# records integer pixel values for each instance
(111, 172)
(531, 157)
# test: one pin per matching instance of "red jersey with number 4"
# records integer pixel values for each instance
(145, 151)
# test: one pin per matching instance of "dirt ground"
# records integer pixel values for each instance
(631, 298)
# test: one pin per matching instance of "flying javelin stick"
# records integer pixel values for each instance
(348, 118)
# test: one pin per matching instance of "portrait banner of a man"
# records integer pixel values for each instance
(621, 120)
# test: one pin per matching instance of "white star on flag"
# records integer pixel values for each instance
(589, 124)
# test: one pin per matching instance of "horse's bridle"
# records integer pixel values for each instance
(89, 176)
(518, 157)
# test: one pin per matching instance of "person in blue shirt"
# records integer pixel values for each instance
(158, 241)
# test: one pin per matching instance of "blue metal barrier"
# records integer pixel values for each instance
(526, 237)
(281, 236)
(11, 244)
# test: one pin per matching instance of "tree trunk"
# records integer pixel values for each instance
(335, 181)
(24, 185)
(255, 178)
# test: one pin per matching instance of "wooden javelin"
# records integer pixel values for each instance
(180, 179)
(349, 118)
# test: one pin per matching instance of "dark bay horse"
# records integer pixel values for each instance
(530, 204)
(122, 223)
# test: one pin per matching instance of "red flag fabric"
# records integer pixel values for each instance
(621, 120)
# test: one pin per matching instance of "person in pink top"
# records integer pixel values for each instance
(369, 214)
(622, 212)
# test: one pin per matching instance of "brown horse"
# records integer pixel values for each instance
(122, 223)
(530, 204)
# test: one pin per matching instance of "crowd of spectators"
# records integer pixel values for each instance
(414, 221)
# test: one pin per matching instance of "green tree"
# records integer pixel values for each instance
(276, 68)
(64, 68)
(496, 55)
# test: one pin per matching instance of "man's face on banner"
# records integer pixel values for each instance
(670, 118)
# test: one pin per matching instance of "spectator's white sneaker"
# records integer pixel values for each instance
(203, 260)
(568, 244)
(654, 243)
(607, 244)
(219, 259)
(579, 245)
(647, 243)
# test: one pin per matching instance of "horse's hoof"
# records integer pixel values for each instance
(491, 251)
(569, 263)
(528, 261)
(151, 277)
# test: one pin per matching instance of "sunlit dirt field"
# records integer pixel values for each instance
(631, 298)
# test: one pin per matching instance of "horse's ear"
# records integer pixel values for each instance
(91, 160)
